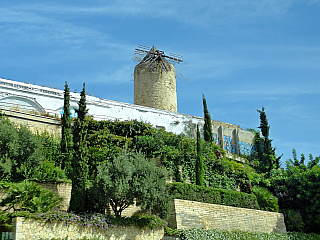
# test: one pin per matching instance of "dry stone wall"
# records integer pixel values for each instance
(30, 229)
(190, 214)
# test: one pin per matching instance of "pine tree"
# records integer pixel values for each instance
(207, 129)
(199, 161)
(80, 160)
(66, 139)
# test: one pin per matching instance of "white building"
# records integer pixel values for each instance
(26, 97)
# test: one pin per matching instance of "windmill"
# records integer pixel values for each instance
(154, 58)
(154, 79)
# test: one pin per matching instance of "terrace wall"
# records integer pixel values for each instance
(191, 214)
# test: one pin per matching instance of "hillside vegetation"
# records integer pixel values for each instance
(114, 152)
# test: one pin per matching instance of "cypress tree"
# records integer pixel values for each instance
(267, 156)
(207, 129)
(199, 161)
(80, 160)
(66, 135)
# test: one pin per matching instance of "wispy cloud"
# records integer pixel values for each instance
(203, 12)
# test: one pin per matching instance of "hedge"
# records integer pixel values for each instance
(211, 195)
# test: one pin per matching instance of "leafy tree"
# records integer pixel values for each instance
(131, 176)
(297, 188)
(266, 153)
(199, 161)
(66, 135)
(207, 129)
(313, 161)
(20, 151)
(25, 155)
(80, 168)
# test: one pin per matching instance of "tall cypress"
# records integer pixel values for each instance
(207, 129)
(66, 135)
(80, 160)
(199, 161)
(267, 156)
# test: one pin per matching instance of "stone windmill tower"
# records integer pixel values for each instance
(155, 81)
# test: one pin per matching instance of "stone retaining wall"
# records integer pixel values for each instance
(190, 214)
(29, 229)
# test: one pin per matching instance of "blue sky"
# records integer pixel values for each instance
(242, 54)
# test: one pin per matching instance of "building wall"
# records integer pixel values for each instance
(190, 214)
(156, 89)
(35, 123)
(29, 98)
(29, 229)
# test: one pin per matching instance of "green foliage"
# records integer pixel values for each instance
(131, 176)
(97, 220)
(66, 134)
(199, 161)
(266, 153)
(24, 155)
(197, 234)
(293, 219)
(29, 196)
(266, 200)
(297, 187)
(212, 195)
(177, 153)
(80, 167)
(207, 129)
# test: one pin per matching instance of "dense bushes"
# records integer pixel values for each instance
(197, 234)
(211, 195)
(29, 196)
(24, 155)
(177, 153)
(293, 220)
(266, 200)
(297, 188)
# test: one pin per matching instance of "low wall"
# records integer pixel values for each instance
(29, 229)
(190, 214)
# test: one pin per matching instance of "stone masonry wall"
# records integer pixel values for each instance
(29, 229)
(156, 89)
(62, 189)
(35, 122)
(190, 214)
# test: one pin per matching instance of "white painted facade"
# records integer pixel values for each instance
(33, 98)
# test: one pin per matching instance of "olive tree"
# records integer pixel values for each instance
(131, 176)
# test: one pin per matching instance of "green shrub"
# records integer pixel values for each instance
(294, 221)
(266, 200)
(211, 195)
(29, 196)
(238, 199)
(202, 234)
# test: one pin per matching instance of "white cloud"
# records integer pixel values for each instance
(203, 12)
